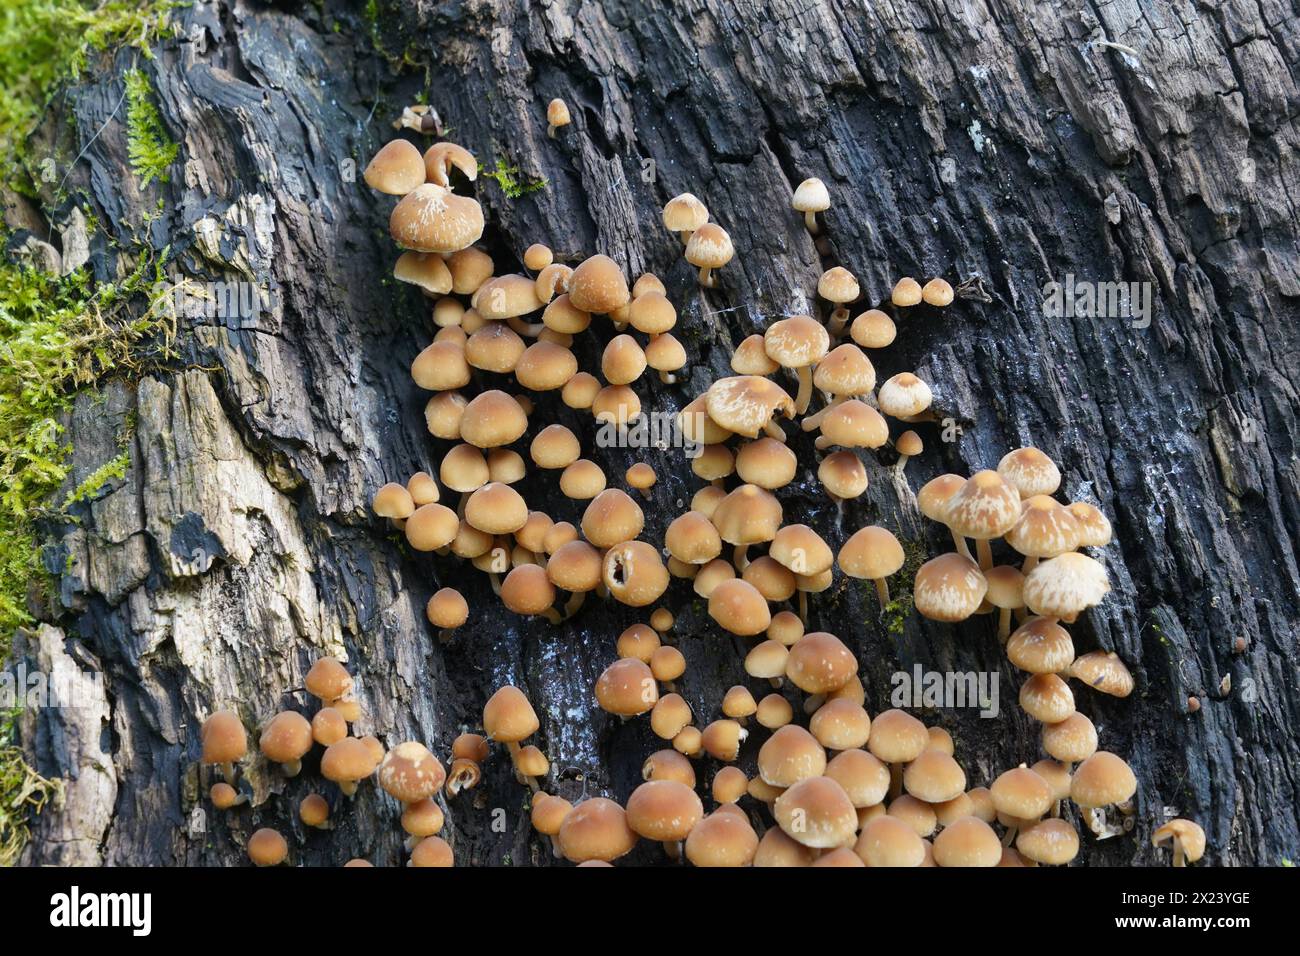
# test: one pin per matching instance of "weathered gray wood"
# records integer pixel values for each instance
(1004, 145)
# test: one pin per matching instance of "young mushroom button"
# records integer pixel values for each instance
(709, 248)
(557, 116)
(810, 198)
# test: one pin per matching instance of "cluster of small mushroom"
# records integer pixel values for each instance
(408, 772)
(848, 790)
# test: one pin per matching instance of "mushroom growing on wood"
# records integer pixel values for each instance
(873, 554)
(1187, 837)
(508, 718)
(285, 740)
(684, 214)
(396, 169)
(224, 742)
(709, 248)
(557, 116)
(810, 198)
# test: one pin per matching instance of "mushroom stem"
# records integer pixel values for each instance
(552, 615)
(1180, 858)
(445, 635)
(496, 582)
(529, 330)
(1009, 836)
(228, 771)
(1004, 624)
(813, 422)
(1031, 562)
(985, 553)
(685, 235)
(805, 390)
(839, 318)
(882, 591)
(668, 378)
(960, 542)
(772, 430)
(292, 768)
(550, 130)
(810, 220)
(574, 604)
(348, 787)
(706, 279)
(673, 849)
(513, 747)
(776, 682)
(803, 613)
(741, 557)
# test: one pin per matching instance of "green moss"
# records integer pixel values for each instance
(112, 470)
(507, 177)
(895, 614)
(148, 146)
(58, 335)
(44, 43)
(22, 791)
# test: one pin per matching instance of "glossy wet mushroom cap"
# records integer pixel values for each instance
(684, 214)
(817, 813)
(663, 810)
(410, 773)
(598, 285)
(722, 839)
(967, 842)
(491, 419)
(739, 608)
(626, 688)
(266, 847)
(1047, 698)
(873, 329)
(432, 218)
(897, 737)
(1041, 646)
(508, 717)
(285, 739)
(906, 292)
(496, 508)
(820, 663)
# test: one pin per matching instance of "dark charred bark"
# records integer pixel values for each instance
(1003, 145)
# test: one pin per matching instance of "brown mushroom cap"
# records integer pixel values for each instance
(1047, 698)
(431, 218)
(1071, 740)
(548, 813)
(1101, 780)
(1094, 527)
(464, 469)
(722, 839)
(575, 566)
(665, 353)
(871, 553)
(818, 813)
(709, 247)
(819, 663)
(1045, 529)
(396, 169)
(967, 842)
(555, 446)
(663, 810)
(1065, 586)
(1021, 793)
(854, 424)
(432, 851)
(888, 842)
(328, 726)
(984, 507)
(766, 463)
(627, 688)
(738, 607)
(347, 761)
(668, 765)
(811, 196)
(873, 329)
(1030, 472)
(495, 347)
(751, 358)
(508, 717)
(841, 724)
(692, 539)
(224, 739)
(906, 292)
(843, 474)
(527, 590)
(748, 515)
(935, 495)
(796, 342)
(791, 754)
(582, 480)
(1006, 587)
(1103, 671)
(1185, 834)
(838, 285)
(669, 716)
(949, 588)
(428, 270)
(443, 412)
(286, 738)
(442, 157)
(431, 527)
(612, 517)
(934, 777)
(423, 818)
(897, 737)
(598, 285)
(1041, 646)
(801, 549)
(1050, 842)
(652, 313)
(441, 366)
(410, 773)
(845, 371)
(492, 418)
(496, 508)
(596, 829)
(469, 268)
(937, 292)
(266, 847)
(685, 213)
(744, 404)
(862, 775)
(328, 680)
(557, 113)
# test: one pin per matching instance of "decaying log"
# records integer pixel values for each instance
(1003, 146)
